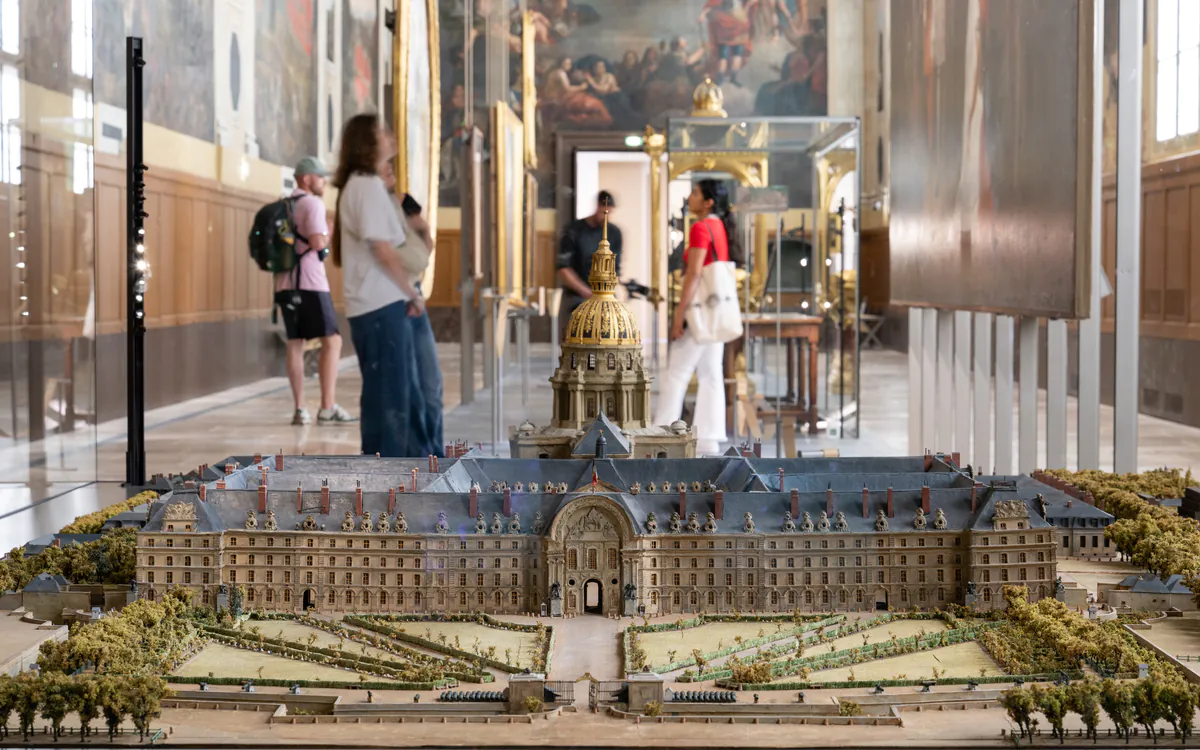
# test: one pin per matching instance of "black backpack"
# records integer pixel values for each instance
(273, 236)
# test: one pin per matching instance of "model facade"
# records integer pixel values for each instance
(601, 387)
(671, 536)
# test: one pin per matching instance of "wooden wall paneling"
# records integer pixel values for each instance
(1153, 238)
(1108, 251)
(110, 255)
(447, 269)
(1175, 266)
(1193, 250)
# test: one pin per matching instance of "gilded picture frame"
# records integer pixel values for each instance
(417, 104)
(508, 190)
(529, 89)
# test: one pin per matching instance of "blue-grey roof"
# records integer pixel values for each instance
(616, 444)
(46, 583)
(64, 540)
(1148, 583)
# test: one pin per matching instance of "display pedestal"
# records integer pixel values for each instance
(222, 602)
(630, 607)
(556, 608)
(970, 600)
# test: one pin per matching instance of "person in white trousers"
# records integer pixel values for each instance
(708, 242)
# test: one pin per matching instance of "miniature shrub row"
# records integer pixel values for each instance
(92, 522)
(851, 656)
(271, 682)
(704, 619)
(479, 618)
(541, 658)
(635, 656)
(1073, 674)
(344, 659)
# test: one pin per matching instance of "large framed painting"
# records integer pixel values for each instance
(508, 189)
(991, 130)
(415, 71)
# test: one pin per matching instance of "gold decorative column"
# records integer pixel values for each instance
(842, 368)
(655, 145)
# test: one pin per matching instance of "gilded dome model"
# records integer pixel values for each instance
(708, 100)
(602, 319)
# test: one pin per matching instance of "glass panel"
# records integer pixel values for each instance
(1189, 91)
(47, 267)
(1168, 99)
(1168, 28)
(779, 134)
(1189, 24)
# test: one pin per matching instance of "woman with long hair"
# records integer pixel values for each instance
(379, 294)
(713, 238)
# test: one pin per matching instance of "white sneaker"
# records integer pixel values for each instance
(334, 416)
(301, 417)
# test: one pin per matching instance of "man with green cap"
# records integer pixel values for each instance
(304, 300)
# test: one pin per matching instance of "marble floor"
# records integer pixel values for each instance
(45, 485)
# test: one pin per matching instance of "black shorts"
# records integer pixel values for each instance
(307, 314)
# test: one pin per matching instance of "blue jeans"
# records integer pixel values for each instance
(429, 375)
(392, 409)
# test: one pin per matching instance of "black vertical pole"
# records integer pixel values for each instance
(136, 266)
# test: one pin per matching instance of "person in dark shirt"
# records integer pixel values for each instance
(579, 242)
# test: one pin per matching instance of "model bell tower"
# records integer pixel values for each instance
(601, 367)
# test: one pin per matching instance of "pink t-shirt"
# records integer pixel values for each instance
(309, 215)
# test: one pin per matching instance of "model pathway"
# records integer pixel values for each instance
(586, 644)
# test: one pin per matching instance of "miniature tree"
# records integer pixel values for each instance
(1018, 703)
(533, 704)
(87, 704)
(1149, 703)
(1052, 702)
(1116, 698)
(653, 708)
(57, 694)
(144, 695)
(671, 656)
(701, 662)
(259, 671)
(7, 702)
(850, 674)
(1083, 697)
(27, 698)
(849, 708)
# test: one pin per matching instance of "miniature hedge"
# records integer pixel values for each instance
(632, 652)
(1073, 674)
(92, 522)
(272, 682)
(378, 623)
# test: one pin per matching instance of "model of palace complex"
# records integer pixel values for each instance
(578, 521)
(735, 533)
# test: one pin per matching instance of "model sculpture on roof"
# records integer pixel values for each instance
(601, 387)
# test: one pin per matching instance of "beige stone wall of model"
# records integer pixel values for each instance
(592, 551)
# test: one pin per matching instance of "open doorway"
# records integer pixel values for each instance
(593, 597)
(308, 600)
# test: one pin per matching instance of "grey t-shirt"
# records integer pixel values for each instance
(367, 215)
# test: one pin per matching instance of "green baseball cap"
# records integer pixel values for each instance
(310, 165)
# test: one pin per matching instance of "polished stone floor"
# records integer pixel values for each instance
(44, 486)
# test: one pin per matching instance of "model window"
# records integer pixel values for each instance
(574, 364)
(675, 579)
(591, 362)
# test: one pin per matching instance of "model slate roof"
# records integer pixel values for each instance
(748, 485)
(36, 546)
(1149, 583)
(616, 444)
(46, 583)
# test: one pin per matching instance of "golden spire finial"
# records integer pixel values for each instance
(603, 276)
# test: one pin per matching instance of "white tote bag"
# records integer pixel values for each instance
(714, 316)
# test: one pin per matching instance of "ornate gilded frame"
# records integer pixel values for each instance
(402, 50)
(508, 190)
(529, 90)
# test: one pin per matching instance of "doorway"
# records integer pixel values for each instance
(308, 600)
(593, 597)
(881, 599)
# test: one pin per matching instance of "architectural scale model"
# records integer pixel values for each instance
(601, 387)
(659, 536)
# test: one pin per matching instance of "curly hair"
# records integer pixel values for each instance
(359, 154)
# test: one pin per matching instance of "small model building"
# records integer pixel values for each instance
(601, 387)
(614, 536)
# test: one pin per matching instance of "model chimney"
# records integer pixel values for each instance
(203, 492)
(435, 464)
(228, 469)
(891, 504)
(325, 497)
(866, 502)
(299, 498)
(474, 509)
(781, 479)
(414, 479)
(682, 500)
(829, 500)
(391, 499)
(1070, 501)
(358, 509)
(974, 495)
(507, 502)
(795, 498)
(220, 484)
(719, 504)
(928, 461)
(258, 459)
(430, 463)
(758, 447)
(262, 498)
(925, 498)
(279, 460)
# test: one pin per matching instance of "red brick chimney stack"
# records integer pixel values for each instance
(414, 479)
(258, 459)
(891, 504)
(299, 498)
(781, 479)
(507, 502)
(975, 495)
(56, 543)
(279, 460)
(358, 504)
(866, 497)
(325, 497)
(228, 469)
(473, 510)
(262, 498)
(203, 492)
(682, 501)
(928, 461)
(719, 504)
(956, 458)
(435, 464)
(925, 498)
(431, 463)
(220, 484)
(391, 499)
(829, 500)
(795, 498)
(758, 447)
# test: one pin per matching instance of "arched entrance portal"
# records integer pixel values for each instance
(593, 597)
(309, 600)
(881, 599)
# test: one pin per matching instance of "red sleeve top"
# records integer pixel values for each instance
(709, 235)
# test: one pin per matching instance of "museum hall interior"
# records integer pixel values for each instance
(440, 363)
